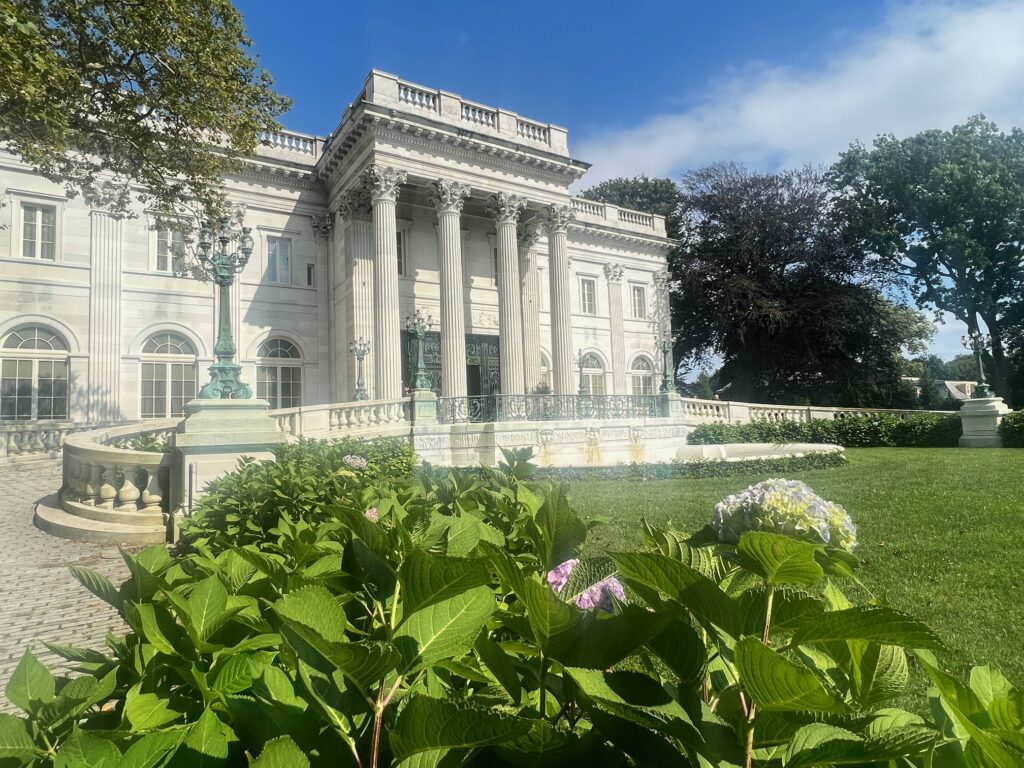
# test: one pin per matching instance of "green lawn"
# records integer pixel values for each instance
(941, 536)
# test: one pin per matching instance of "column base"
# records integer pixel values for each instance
(424, 406)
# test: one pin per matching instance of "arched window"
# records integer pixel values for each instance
(641, 374)
(168, 375)
(279, 374)
(545, 372)
(33, 374)
(592, 375)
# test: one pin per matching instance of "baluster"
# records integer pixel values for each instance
(152, 496)
(332, 420)
(91, 492)
(3, 444)
(35, 441)
(14, 443)
(107, 491)
(77, 477)
(128, 494)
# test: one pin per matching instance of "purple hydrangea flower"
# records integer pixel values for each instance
(601, 595)
(371, 514)
(559, 575)
(356, 462)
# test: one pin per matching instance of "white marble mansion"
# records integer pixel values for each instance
(419, 200)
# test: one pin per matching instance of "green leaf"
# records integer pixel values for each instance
(428, 724)
(239, 671)
(16, 742)
(77, 695)
(158, 627)
(146, 711)
(281, 753)
(604, 640)
(682, 650)
(428, 579)
(561, 530)
(687, 586)
(821, 744)
(779, 559)
(206, 744)
(587, 572)
(877, 672)
(500, 665)
(877, 623)
(152, 750)
(555, 623)
(208, 604)
(31, 684)
(778, 684)
(377, 575)
(83, 749)
(316, 608)
(989, 684)
(444, 630)
(98, 584)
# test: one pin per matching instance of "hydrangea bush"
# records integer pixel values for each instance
(787, 507)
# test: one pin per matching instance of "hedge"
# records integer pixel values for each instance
(1011, 429)
(925, 430)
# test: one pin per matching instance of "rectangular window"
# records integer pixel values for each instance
(311, 275)
(15, 390)
(278, 260)
(639, 302)
(183, 387)
(154, 390)
(170, 250)
(291, 387)
(494, 264)
(280, 385)
(38, 231)
(588, 296)
(266, 384)
(52, 399)
(643, 385)
(593, 383)
(400, 249)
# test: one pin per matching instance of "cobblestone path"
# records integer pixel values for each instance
(39, 599)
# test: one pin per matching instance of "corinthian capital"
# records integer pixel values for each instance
(614, 272)
(448, 196)
(322, 224)
(383, 182)
(529, 236)
(355, 200)
(505, 208)
(556, 218)
(661, 280)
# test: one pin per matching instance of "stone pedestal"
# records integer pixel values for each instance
(215, 434)
(980, 418)
(672, 405)
(424, 407)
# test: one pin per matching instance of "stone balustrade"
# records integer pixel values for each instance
(623, 218)
(21, 440)
(357, 416)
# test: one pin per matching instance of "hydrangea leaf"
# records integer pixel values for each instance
(83, 749)
(430, 724)
(428, 579)
(821, 744)
(281, 752)
(555, 623)
(16, 744)
(877, 672)
(681, 648)
(500, 665)
(561, 530)
(444, 630)
(778, 684)
(780, 559)
(31, 684)
(604, 641)
(877, 623)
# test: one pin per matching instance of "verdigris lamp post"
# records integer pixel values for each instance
(222, 266)
(581, 389)
(418, 324)
(976, 343)
(666, 367)
(360, 347)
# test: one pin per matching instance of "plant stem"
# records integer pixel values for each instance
(748, 760)
(543, 685)
(378, 722)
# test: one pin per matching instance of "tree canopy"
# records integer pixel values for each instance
(943, 210)
(163, 95)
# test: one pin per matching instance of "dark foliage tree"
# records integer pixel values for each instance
(768, 281)
(166, 95)
(933, 371)
(945, 211)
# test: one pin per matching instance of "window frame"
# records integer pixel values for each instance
(592, 374)
(171, 231)
(641, 375)
(280, 237)
(20, 198)
(592, 281)
(168, 362)
(266, 361)
(633, 289)
(402, 251)
(36, 358)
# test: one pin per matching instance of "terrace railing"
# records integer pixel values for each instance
(548, 407)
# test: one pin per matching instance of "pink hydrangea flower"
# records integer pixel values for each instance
(371, 514)
(601, 595)
(559, 575)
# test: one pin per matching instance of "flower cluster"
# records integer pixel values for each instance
(371, 514)
(356, 462)
(788, 507)
(600, 595)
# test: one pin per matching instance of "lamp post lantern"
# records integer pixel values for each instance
(666, 366)
(581, 390)
(360, 347)
(976, 342)
(222, 266)
(418, 324)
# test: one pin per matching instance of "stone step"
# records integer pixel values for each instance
(52, 519)
(134, 517)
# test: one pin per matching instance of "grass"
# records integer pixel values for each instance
(941, 536)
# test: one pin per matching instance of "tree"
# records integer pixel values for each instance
(933, 371)
(105, 94)
(641, 193)
(962, 368)
(943, 210)
(767, 280)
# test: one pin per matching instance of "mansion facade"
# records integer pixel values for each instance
(419, 200)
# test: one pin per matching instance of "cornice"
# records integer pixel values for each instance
(597, 232)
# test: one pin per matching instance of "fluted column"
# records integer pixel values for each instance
(531, 306)
(448, 197)
(613, 273)
(354, 308)
(505, 209)
(383, 183)
(105, 257)
(556, 221)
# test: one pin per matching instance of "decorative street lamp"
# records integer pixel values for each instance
(222, 267)
(977, 342)
(418, 324)
(359, 347)
(666, 366)
(579, 364)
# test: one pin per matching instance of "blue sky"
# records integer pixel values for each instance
(659, 87)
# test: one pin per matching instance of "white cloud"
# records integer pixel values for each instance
(927, 66)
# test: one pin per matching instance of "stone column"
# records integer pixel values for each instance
(505, 209)
(531, 306)
(613, 273)
(448, 198)
(354, 307)
(556, 221)
(662, 320)
(323, 227)
(384, 182)
(103, 388)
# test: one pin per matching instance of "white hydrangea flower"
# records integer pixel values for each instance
(788, 507)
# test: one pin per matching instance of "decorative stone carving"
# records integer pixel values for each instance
(383, 182)
(530, 236)
(107, 196)
(505, 208)
(322, 225)
(354, 201)
(484, 320)
(556, 218)
(661, 280)
(448, 195)
(614, 272)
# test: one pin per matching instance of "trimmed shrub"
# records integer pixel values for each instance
(1011, 429)
(925, 430)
